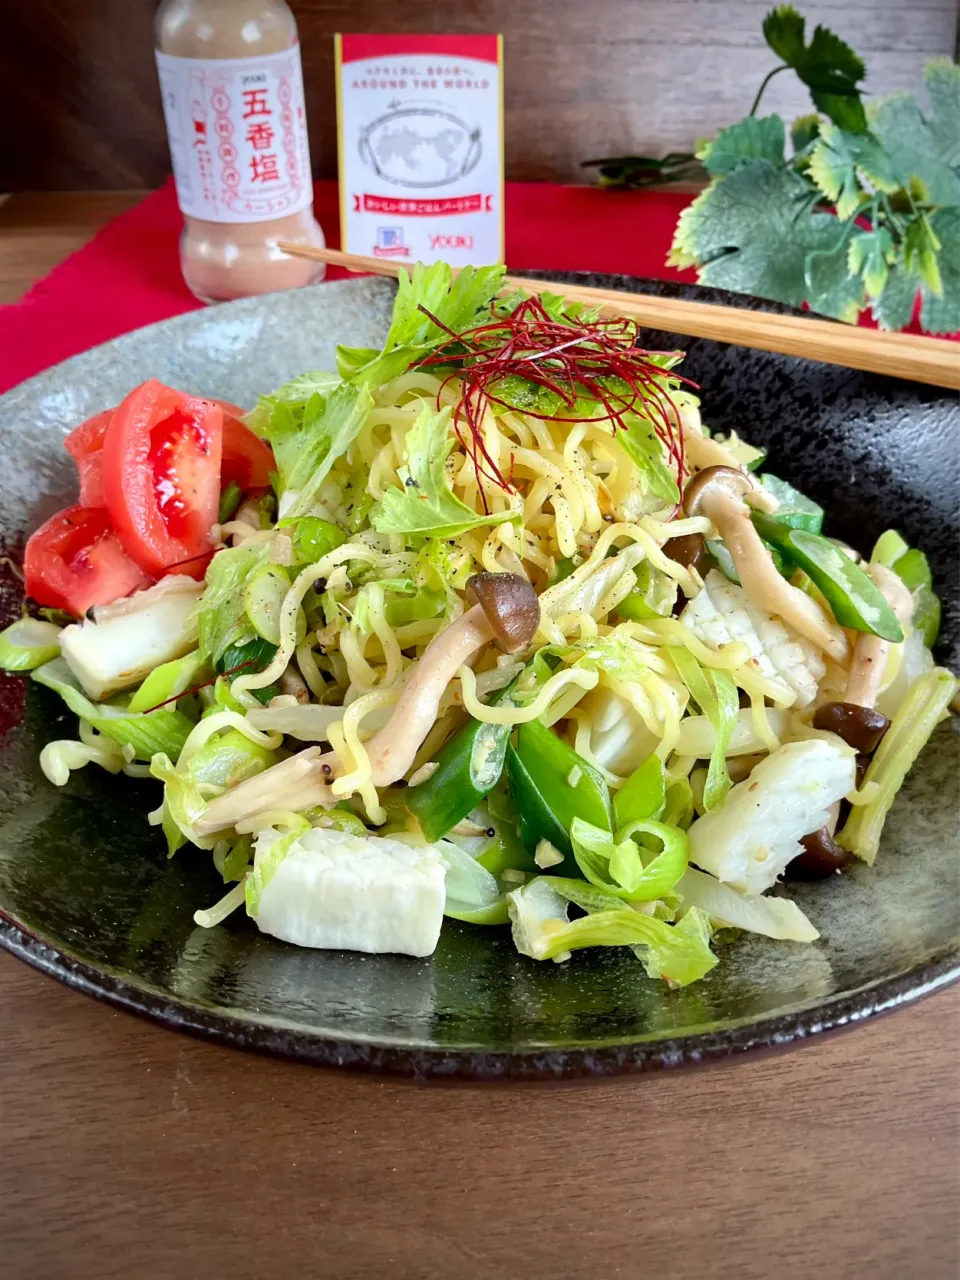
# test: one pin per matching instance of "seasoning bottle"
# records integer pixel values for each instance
(232, 91)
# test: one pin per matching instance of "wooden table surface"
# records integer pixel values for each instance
(130, 1151)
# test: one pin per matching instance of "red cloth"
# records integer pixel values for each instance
(129, 274)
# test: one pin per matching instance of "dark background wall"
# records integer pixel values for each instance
(583, 77)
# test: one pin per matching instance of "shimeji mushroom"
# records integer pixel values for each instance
(721, 494)
(506, 611)
(855, 721)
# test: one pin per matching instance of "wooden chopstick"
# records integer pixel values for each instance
(901, 355)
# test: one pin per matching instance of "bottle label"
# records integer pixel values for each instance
(238, 135)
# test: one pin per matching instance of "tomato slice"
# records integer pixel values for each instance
(161, 477)
(247, 460)
(75, 561)
(85, 446)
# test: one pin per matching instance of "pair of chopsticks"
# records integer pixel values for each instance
(901, 355)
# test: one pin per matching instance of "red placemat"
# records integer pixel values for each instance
(129, 274)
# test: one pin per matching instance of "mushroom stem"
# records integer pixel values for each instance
(391, 749)
(302, 782)
(702, 451)
(870, 652)
(763, 584)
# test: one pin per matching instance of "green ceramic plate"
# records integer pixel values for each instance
(88, 895)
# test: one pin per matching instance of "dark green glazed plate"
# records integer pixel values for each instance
(87, 893)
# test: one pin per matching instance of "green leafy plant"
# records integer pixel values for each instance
(861, 208)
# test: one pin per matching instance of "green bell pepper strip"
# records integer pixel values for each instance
(654, 596)
(643, 795)
(796, 510)
(855, 599)
(253, 655)
(506, 850)
(312, 537)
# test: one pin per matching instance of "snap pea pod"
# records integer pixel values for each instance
(855, 599)
(642, 796)
(795, 509)
(550, 785)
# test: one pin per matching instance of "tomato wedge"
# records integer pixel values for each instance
(161, 477)
(75, 561)
(247, 460)
(85, 446)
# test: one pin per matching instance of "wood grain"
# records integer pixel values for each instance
(39, 230)
(581, 79)
(134, 1151)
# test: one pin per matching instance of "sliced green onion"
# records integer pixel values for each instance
(27, 644)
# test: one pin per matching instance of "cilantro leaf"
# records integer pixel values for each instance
(751, 139)
(804, 131)
(827, 65)
(425, 505)
(920, 248)
(783, 30)
(833, 169)
(869, 256)
(894, 308)
(909, 146)
(754, 232)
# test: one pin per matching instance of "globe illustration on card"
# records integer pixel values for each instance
(420, 145)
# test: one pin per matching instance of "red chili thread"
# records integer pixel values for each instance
(204, 684)
(569, 358)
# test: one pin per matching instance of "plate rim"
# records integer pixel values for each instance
(484, 1066)
(468, 1064)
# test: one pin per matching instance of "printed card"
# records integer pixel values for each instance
(420, 121)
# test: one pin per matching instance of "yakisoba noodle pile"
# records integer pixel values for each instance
(517, 640)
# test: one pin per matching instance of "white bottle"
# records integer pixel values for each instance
(232, 91)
